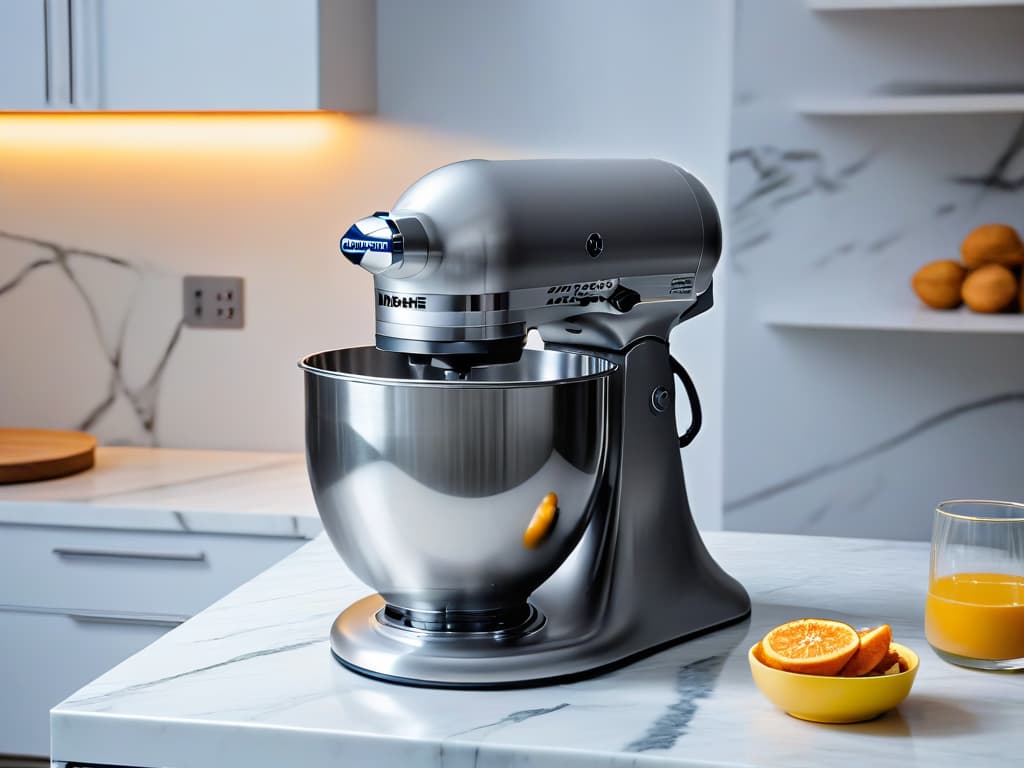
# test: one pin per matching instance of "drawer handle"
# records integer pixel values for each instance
(137, 620)
(126, 554)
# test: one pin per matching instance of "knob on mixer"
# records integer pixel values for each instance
(624, 299)
(373, 243)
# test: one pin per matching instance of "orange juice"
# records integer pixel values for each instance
(977, 615)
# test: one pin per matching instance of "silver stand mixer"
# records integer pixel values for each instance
(432, 454)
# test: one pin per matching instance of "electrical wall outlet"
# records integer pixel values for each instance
(214, 302)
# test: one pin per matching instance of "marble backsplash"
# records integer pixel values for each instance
(118, 398)
(96, 237)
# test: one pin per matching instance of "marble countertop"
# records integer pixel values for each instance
(236, 492)
(251, 681)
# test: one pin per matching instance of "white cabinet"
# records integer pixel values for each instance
(75, 602)
(23, 54)
(45, 657)
(236, 55)
(188, 55)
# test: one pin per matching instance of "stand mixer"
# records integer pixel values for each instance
(429, 453)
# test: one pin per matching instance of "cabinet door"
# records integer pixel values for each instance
(22, 54)
(201, 55)
(44, 658)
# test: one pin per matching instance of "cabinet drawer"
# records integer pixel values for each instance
(175, 574)
(45, 658)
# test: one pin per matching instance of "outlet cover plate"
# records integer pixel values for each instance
(214, 302)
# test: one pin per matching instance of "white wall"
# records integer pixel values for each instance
(267, 201)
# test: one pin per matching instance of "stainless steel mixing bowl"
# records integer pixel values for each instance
(426, 485)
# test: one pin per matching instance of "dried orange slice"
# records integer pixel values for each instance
(874, 645)
(891, 657)
(811, 646)
(542, 521)
(759, 655)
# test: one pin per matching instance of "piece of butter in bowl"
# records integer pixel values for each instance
(827, 699)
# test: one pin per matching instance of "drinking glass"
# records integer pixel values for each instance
(974, 615)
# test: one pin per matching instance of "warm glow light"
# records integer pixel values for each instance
(219, 132)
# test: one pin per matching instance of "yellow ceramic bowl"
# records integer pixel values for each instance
(834, 699)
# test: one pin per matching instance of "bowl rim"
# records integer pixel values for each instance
(608, 368)
(915, 660)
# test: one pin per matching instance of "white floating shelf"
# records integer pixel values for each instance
(908, 318)
(885, 5)
(951, 104)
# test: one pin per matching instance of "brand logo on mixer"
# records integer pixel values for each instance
(581, 293)
(353, 244)
(401, 302)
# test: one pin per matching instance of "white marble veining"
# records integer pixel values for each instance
(174, 490)
(251, 681)
(118, 352)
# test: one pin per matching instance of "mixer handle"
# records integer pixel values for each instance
(696, 417)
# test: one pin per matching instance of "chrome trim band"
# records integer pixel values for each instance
(450, 332)
(441, 302)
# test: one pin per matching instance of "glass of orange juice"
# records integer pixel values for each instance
(974, 616)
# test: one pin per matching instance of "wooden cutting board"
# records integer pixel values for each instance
(42, 454)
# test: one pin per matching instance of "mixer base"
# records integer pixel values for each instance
(364, 641)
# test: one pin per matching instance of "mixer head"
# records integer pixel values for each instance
(476, 253)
